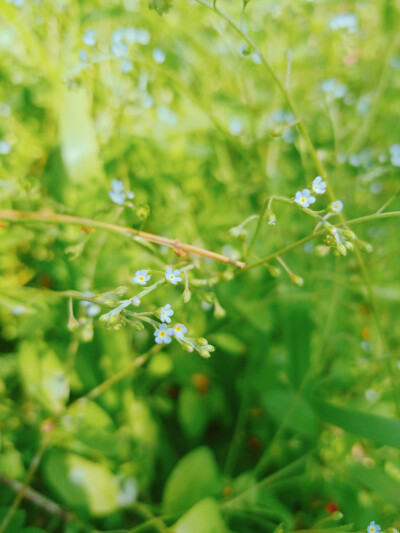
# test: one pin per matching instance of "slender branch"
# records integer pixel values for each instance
(38, 499)
(179, 248)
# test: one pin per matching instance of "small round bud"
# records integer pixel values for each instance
(272, 219)
(201, 341)
(341, 249)
(204, 353)
(228, 275)
(297, 280)
(337, 515)
(73, 324)
(210, 348)
(365, 247)
(135, 302)
(349, 245)
(349, 234)
(274, 271)
(188, 347)
(219, 311)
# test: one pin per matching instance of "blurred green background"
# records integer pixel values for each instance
(293, 423)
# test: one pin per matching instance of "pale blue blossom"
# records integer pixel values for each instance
(118, 194)
(141, 277)
(319, 186)
(5, 148)
(173, 276)
(179, 331)
(147, 101)
(373, 528)
(394, 152)
(165, 114)
(89, 37)
(5, 110)
(255, 56)
(119, 49)
(334, 88)
(344, 21)
(126, 66)
(16, 3)
(336, 206)
(163, 334)
(304, 198)
(165, 313)
(142, 36)
(236, 126)
(83, 55)
(158, 55)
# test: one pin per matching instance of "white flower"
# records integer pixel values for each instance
(179, 331)
(141, 277)
(165, 313)
(336, 206)
(173, 276)
(304, 198)
(163, 334)
(319, 186)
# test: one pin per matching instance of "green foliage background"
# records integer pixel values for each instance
(296, 413)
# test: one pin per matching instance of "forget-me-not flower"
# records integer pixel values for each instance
(173, 276)
(336, 206)
(163, 334)
(179, 331)
(141, 277)
(89, 37)
(319, 186)
(165, 313)
(373, 528)
(304, 198)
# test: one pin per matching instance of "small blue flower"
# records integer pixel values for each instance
(158, 55)
(117, 193)
(126, 66)
(89, 37)
(304, 198)
(179, 331)
(141, 277)
(344, 21)
(163, 334)
(173, 276)
(83, 55)
(142, 36)
(165, 313)
(5, 148)
(373, 528)
(236, 126)
(166, 114)
(119, 49)
(336, 206)
(319, 186)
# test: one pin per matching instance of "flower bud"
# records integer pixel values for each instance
(274, 271)
(187, 295)
(271, 219)
(201, 341)
(341, 249)
(135, 302)
(349, 234)
(204, 353)
(73, 324)
(349, 245)
(219, 311)
(365, 247)
(297, 280)
(210, 348)
(188, 347)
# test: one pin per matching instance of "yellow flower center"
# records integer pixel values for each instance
(178, 328)
(303, 200)
(141, 278)
(162, 333)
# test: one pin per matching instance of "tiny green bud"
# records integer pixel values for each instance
(274, 271)
(337, 515)
(119, 291)
(187, 295)
(201, 341)
(228, 275)
(73, 324)
(349, 234)
(204, 353)
(349, 245)
(188, 347)
(210, 348)
(321, 250)
(297, 280)
(219, 311)
(341, 249)
(365, 247)
(109, 301)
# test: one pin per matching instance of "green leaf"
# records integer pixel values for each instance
(195, 477)
(81, 483)
(204, 517)
(16, 522)
(376, 477)
(384, 431)
(192, 412)
(297, 327)
(302, 419)
(228, 342)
